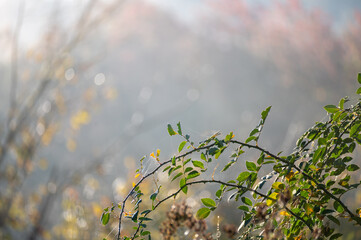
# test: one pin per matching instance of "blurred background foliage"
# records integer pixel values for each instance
(87, 88)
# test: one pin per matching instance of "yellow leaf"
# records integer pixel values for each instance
(274, 197)
(137, 175)
(284, 213)
(152, 155)
(110, 93)
(299, 237)
(80, 118)
(290, 175)
(43, 164)
(48, 135)
(97, 210)
(308, 208)
(133, 184)
(278, 186)
(71, 145)
(158, 152)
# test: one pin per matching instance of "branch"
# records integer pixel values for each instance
(150, 174)
(319, 185)
(223, 183)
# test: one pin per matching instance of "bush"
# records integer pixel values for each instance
(304, 198)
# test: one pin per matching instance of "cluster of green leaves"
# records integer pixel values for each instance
(305, 187)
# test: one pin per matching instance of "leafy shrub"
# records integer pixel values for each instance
(307, 189)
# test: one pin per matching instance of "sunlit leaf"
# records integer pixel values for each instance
(331, 108)
(171, 131)
(193, 174)
(105, 218)
(278, 186)
(274, 197)
(203, 213)
(284, 213)
(177, 176)
(251, 166)
(181, 146)
(338, 207)
(243, 176)
(198, 164)
(247, 201)
(182, 183)
(208, 202)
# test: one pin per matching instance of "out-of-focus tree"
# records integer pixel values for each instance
(48, 97)
(302, 43)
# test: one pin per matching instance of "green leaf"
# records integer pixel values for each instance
(254, 131)
(219, 152)
(171, 131)
(135, 216)
(243, 208)
(219, 193)
(203, 157)
(355, 129)
(177, 176)
(338, 207)
(105, 218)
(359, 78)
(352, 167)
(188, 169)
(145, 233)
(198, 164)
(331, 108)
(335, 236)
(182, 184)
(153, 196)
(228, 137)
(243, 176)
(193, 174)
(186, 161)
(181, 146)
(208, 202)
(251, 166)
(333, 219)
(247, 201)
(179, 128)
(341, 103)
(358, 90)
(145, 212)
(228, 165)
(203, 213)
(173, 160)
(265, 113)
(251, 138)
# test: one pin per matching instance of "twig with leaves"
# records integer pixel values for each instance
(298, 201)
